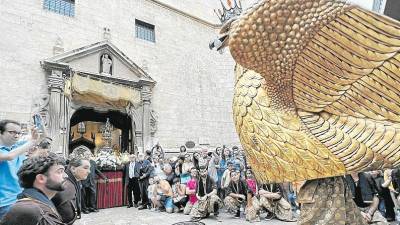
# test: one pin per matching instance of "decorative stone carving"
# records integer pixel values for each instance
(106, 33)
(56, 80)
(153, 122)
(58, 47)
(106, 64)
(146, 94)
(40, 105)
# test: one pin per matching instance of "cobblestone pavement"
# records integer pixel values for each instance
(132, 216)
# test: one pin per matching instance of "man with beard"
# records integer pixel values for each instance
(42, 177)
(208, 200)
(68, 201)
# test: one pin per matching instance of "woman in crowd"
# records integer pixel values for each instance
(196, 157)
(253, 205)
(213, 166)
(179, 195)
(218, 151)
(182, 150)
(184, 171)
(223, 165)
(191, 188)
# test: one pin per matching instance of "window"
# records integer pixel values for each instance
(145, 31)
(63, 7)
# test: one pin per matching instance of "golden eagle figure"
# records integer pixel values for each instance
(317, 88)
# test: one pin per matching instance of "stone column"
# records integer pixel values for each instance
(146, 101)
(56, 105)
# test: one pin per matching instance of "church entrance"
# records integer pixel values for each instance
(88, 127)
(93, 88)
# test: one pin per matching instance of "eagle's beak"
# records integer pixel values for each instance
(223, 40)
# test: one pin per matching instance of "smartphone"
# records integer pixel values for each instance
(38, 122)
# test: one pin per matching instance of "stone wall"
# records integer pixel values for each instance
(194, 87)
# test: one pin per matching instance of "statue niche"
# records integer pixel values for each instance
(106, 64)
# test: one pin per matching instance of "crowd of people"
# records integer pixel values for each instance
(40, 187)
(203, 182)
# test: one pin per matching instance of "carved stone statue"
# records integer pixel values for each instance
(106, 64)
(153, 122)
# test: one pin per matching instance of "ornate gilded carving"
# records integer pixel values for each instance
(316, 91)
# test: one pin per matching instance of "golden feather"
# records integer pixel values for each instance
(317, 91)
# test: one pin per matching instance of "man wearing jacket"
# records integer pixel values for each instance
(132, 174)
(89, 203)
(41, 177)
(145, 171)
(366, 197)
(68, 201)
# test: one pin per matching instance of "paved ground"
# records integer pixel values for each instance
(131, 216)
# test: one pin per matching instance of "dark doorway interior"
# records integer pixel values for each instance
(117, 119)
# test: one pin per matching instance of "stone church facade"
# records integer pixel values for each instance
(173, 88)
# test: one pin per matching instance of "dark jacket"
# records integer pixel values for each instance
(210, 185)
(396, 179)
(32, 208)
(68, 202)
(274, 188)
(240, 188)
(367, 185)
(137, 168)
(90, 180)
(146, 169)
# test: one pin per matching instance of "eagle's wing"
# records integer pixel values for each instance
(346, 88)
(279, 147)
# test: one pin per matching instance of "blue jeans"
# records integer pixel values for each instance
(292, 200)
(4, 210)
(382, 208)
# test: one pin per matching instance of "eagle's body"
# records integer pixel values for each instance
(317, 90)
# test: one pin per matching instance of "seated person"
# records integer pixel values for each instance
(191, 188)
(179, 195)
(394, 177)
(208, 200)
(271, 198)
(236, 193)
(386, 205)
(253, 205)
(366, 197)
(164, 195)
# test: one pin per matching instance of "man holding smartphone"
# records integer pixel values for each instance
(11, 157)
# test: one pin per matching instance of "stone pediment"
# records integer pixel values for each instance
(102, 59)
